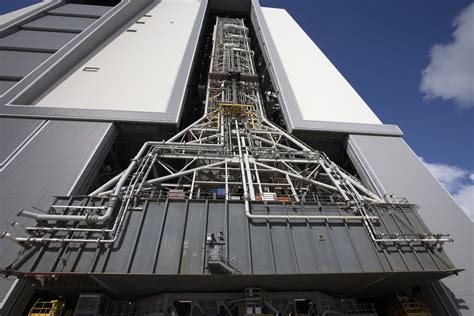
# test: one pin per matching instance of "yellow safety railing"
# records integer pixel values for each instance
(236, 109)
(47, 308)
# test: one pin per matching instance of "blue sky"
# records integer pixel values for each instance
(382, 48)
(12, 5)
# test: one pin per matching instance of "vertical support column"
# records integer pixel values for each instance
(293, 191)
(226, 182)
(249, 176)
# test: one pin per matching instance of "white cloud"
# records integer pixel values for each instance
(449, 176)
(450, 73)
(459, 182)
(465, 199)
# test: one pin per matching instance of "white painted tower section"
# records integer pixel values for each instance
(322, 93)
(137, 70)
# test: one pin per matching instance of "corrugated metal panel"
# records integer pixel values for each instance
(32, 177)
(167, 238)
(172, 239)
(262, 251)
(59, 23)
(397, 170)
(70, 9)
(36, 40)
(192, 258)
(10, 141)
(5, 285)
(238, 240)
(6, 84)
(148, 241)
(16, 65)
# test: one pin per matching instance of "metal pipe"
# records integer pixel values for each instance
(189, 144)
(260, 190)
(360, 187)
(182, 173)
(58, 240)
(194, 149)
(274, 144)
(293, 191)
(48, 217)
(328, 172)
(305, 217)
(120, 178)
(249, 176)
(205, 114)
(323, 185)
(192, 185)
(117, 224)
(99, 219)
(106, 185)
(343, 218)
(242, 169)
(80, 207)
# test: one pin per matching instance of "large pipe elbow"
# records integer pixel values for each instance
(95, 219)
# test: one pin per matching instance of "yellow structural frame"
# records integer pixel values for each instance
(235, 109)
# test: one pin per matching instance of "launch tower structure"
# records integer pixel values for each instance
(232, 150)
(234, 189)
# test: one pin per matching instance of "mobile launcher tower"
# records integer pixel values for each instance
(251, 207)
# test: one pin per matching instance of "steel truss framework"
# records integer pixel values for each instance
(232, 152)
(254, 301)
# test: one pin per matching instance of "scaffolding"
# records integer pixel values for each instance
(233, 152)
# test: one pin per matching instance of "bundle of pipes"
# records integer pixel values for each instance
(232, 144)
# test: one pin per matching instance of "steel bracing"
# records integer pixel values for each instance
(232, 152)
(254, 301)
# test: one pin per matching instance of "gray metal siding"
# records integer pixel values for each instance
(9, 142)
(192, 258)
(6, 284)
(169, 238)
(18, 64)
(71, 9)
(116, 262)
(6, 84)
(172, 239)
(59, 23)
(238, 246)
(32, 177)
(305, 248)
(263, 261)
(398, 171)
(36, 41)
(162, 249)
(148, 241)
(50, 163)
